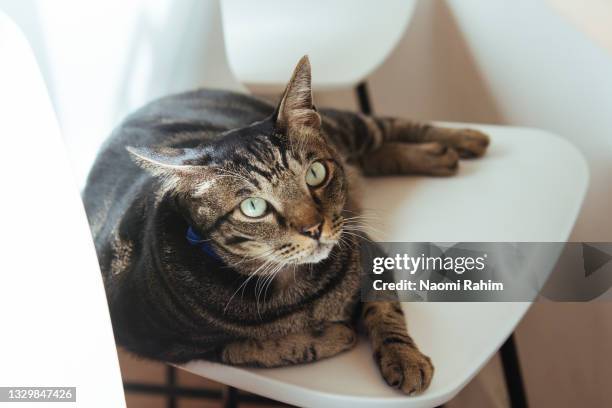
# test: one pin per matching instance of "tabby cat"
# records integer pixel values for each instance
(220, 225)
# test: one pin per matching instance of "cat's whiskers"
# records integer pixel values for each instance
(359, 220)
(341, 243)
(246, 281)
(242, 285)
(361, 225)
(271, 271)
(371, 212)
(264, 268)
(364, 215)
(267, 279)
(254, 258)
(366, 229)
(360, 236)
(271, 279)
(344, 241)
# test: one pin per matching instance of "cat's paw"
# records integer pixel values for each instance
(469, 143)
(404, 367)
(437, 159)
(335, 338)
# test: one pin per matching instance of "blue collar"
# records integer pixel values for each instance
(196, 240)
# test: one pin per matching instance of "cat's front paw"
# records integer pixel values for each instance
(404, 367)
(334, 338)
(469, 143)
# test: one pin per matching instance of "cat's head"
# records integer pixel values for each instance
(273, 191)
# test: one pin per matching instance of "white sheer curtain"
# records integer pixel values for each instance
(101, 60)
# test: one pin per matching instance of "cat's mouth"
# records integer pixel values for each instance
(317, 254)
(320, 253)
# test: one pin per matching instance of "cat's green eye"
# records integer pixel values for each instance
(316, 174)
(254, 207)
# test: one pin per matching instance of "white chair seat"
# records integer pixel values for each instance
(529, 187)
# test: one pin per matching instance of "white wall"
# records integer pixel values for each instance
(103, 59)
(543, 72)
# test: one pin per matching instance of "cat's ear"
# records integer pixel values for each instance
(296, 108)
(171, 164)
(179, 169)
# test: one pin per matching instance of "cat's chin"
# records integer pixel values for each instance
(318, 254)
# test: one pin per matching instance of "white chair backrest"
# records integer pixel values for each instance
(345, 39)
(56, 329)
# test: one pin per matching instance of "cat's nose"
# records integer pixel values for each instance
(313, 231)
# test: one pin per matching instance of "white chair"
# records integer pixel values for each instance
(56, 326)
(512, 195)
(410, 205)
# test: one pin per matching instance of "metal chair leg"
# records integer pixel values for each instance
(171, 384)
(230, 397)
(512, 373)
(363, 98)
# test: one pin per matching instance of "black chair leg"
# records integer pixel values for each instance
(512, 374)
(230, 397)
(171, 384)
(363, 98)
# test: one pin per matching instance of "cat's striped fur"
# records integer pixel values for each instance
(277, 296)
